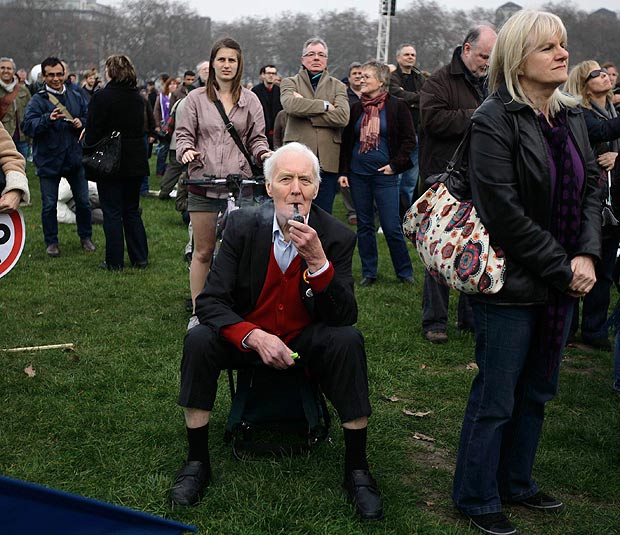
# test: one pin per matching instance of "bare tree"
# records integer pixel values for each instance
(255, 37)
(167, 35)
(350, 37)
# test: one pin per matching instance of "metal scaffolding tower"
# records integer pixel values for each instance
(387, 9)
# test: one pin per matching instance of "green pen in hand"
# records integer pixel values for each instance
(294, 356)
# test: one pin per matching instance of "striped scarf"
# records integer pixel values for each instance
(371, 123)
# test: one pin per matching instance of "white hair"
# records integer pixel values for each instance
(297, 148)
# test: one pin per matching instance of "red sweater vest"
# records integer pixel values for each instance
(279, 309)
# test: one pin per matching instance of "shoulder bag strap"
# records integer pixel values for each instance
(233, 133)
(7, 101)
(460, 150)
(54, 100)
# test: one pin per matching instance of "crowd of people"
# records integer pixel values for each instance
(545, 181)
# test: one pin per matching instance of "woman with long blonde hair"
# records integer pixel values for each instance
(535, 185)
(593, 85)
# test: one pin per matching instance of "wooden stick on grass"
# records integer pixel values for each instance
(37, 348)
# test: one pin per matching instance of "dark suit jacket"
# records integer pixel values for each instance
(270, 100)
(410, 95)
(240, 268)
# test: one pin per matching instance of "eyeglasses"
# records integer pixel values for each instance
(55, 74)
(322, 55)
(269, 72)
(596, 73)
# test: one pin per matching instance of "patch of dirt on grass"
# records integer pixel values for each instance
(579, 363)
(582, 371)
(428, 454)
(435, 497)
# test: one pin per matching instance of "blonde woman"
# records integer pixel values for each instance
(535, 186)
(593, 86)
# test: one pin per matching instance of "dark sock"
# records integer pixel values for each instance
(198, 440)
(355, 449)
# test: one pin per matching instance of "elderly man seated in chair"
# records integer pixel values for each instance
(281, 284)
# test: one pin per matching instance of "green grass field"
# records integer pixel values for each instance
(102, 420)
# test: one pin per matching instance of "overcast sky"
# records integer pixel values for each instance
(220, 10)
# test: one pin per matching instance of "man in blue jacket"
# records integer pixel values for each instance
(54, 119)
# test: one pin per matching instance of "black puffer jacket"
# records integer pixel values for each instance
(513, 199)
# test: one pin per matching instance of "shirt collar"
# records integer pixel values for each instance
(50, 90)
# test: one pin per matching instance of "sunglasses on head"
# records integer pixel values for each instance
(596, 73)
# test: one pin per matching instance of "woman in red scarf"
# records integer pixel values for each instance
(376, 146)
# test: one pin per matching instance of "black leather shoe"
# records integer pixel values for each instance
(363, 493)
(190, 483)
(408, 280)
(367, 281)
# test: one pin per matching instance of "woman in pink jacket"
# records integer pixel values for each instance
(208, 148)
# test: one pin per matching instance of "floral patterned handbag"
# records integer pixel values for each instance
(450, 238)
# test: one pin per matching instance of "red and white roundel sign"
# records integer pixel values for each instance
(12, 239)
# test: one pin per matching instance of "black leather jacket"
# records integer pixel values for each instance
(513, 199)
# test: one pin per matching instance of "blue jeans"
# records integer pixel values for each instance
(505, 411)
(144, 186)
(409, 181)
(162, 157)
(49, 198)
(22, 147)
(327, 191)
(596, 302)
(381, 190)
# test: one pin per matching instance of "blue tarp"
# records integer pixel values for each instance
(29, 509)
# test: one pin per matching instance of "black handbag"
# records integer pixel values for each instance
(102, 160)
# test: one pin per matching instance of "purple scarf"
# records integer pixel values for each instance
(565, 228)
(165, 106)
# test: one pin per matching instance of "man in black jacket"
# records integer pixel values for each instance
(269, 95)
(448, 99)
(406, 82)
(278, 287)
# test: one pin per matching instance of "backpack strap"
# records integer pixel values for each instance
(240, 398)
(308, 401)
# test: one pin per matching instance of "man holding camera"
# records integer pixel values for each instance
(54, 119)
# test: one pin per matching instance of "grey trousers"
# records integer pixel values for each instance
(435, 299)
